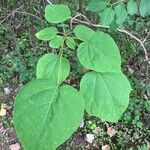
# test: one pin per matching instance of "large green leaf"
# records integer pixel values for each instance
(57, 13)
(97, 5)
(45, 116)
(132, 7)
(144, 8)
(107, 16)
(106, 95)
(53, 67)
(83, 32)
(100, 53)
(47, 33)
(121, 14)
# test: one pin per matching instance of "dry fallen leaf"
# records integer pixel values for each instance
(3, 110)
(111, 131)
(14, 146)
(105, 147)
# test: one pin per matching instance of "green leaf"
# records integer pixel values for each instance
(47, 34)
(70, 43)
(56, 42)
(100, 53)
(121, 14)
(57, 13)
(113, 27)
(96, 5)
(144, 8)
(46, 115)
(83, 33)
(107, 16)
(53, 67)
(132, 7)
(106, 95)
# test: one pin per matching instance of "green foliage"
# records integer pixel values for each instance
(144, 8)
(132, 7)
(97, 5)
(57, 13)
(107, 16)
(102, 97)
(70, 43)
(99, 53)
(118, 12)
(47, 34)
(83, 33)
(53, 67)
(57, 41)
(121, 14)
(45, 112)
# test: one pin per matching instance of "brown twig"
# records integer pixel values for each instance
(26, 13)
(11, 14)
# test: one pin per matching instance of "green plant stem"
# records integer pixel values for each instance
(61, 54)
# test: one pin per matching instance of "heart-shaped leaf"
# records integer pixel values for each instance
(100, 53)
(53, 67)
(106, 95)
(45, 115)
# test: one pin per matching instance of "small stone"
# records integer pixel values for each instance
(111, 131)
(14, 146)
(7, 90)
(90, 138)
(105, 147)
(2, 112)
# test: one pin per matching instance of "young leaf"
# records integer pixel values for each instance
(83, 33)
(144, 8)
(53, 67)
(57, 13)
(96, 5)
(132, 7)
(46, 115)
(107, 16)
(70, 43)
(106, 95)
(100, 53)
(121, 14)
(47, 34)
(56, 42)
